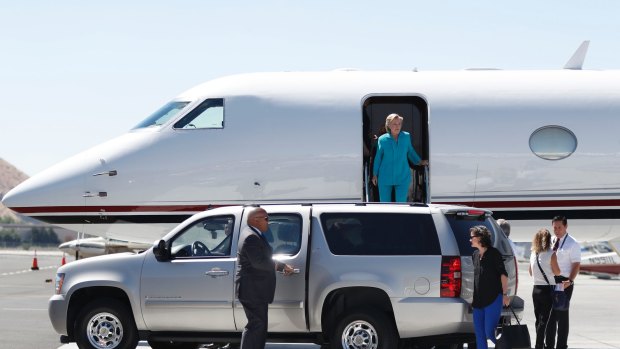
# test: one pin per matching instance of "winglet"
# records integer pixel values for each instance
(576, 61)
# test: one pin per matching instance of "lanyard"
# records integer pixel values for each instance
(563, 241)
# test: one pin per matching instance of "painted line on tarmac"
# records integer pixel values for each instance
(26, 271)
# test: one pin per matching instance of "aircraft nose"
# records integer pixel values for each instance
(16, 198)
(55, 187)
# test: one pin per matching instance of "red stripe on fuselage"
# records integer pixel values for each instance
(81, 209)
(536, 203)
(541, 204)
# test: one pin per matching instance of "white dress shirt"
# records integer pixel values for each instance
(569, 252)
(545, 263)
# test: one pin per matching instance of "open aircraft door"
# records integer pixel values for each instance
(414, 111)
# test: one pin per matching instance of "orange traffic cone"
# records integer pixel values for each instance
(63, 261)
(35, 264)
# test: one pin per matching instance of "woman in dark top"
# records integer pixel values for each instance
(490, 285)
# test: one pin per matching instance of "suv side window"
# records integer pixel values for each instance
(460, 228)
(388, 234)
(205, 238)
(284, 234)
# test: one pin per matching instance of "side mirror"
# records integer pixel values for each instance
(160, 251)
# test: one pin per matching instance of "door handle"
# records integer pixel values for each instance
(295, 271)
(109, 173)
(216, 272)
(101, 194)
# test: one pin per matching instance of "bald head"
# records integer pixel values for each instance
(258, 218)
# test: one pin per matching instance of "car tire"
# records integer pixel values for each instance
(369, 329)
(172, 345)
(105, 324)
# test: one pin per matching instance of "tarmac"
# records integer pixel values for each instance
(24, 323)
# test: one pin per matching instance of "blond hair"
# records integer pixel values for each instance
(541, 241)
(389, 119)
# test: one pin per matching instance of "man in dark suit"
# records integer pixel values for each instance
(256, 278)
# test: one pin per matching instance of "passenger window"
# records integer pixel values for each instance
(553, 142)
(209, 114)
(211, 236)
(388, 234)
(284, 234)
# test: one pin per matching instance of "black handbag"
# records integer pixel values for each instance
(560, 300)
(513, 336)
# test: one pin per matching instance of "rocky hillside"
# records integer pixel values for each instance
(9, 178)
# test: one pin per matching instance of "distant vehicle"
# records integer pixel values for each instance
(368, 276)
(526, 144)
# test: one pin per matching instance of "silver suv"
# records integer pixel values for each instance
(368, 276)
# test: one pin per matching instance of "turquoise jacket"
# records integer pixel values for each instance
(391, 166)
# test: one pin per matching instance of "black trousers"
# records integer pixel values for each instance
(560, 319)
(255, 332)
(541, 298)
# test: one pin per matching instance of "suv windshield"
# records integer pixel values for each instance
(162, 115)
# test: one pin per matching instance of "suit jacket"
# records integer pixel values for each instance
(390, 164)
(256, 272)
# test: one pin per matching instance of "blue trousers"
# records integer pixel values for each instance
(385, 192)
(485, 322)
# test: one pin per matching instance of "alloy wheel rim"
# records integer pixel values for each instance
(360, 335)
(104, 331)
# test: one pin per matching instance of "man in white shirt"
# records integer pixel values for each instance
(568, 253)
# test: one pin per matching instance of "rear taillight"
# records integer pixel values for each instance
(450, 276)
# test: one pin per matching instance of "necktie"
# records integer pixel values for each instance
(556, 244)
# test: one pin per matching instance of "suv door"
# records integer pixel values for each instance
(194, 290)
(288, 236)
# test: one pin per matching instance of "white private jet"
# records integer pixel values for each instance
(528, 145)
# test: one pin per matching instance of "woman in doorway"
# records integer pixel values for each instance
(490, 285)
(391, 164)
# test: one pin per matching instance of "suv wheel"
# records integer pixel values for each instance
(365, 330)
(105, 324)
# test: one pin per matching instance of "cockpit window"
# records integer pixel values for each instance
(209, 114)
(162, 115)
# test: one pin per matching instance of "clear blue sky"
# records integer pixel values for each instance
(76, 73)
